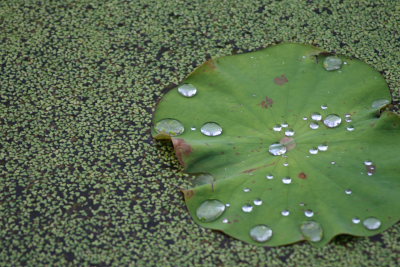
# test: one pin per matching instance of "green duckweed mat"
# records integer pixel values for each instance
(83, 182)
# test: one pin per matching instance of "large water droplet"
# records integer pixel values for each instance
(261, 233)
(187, 90)
(210, 210)
(285, 213)
(312, 231)
(380, 103)
(170, 127)
(372, 223)
(277, 149)
(269, 177)
(332, 63)
(257, 202)
(316, 116)
(202, 179)
(277, 128)
(323, 147)
(309, 213)
(356, 220)
(211, 129)
(247, 208)
(289, 132)
(313, 151)
(314, 125)
(286, 180)
(332, 121)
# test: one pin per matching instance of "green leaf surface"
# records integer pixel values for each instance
(324, 182)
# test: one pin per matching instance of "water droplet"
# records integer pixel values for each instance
(225, 221)
(333, 162)
(289, 132)
(302, 204)
(348, 191)
(286, 180)
(193, 128)
(246, 190)
(211, 129)
(285, 124)
(285, 213)
(305, 118)
(309, 213)
(314, 125)
(269, 177)
(312, 231)
(356, 220)
(345, 63)
(314, 151)
(380, 103)
(372, 223)
(370, 173)
(247, 208)
(347, 115)
(202, 179)
(350, 128)
(285, 164)
(277, 128)
(323, 147)
(277, 149)
(332, 63)
(367, 163)
(187, 90)
(257, 202)
(348, 120)
(324, 107)
(210, 210)
(261, 233)
(316, 116)
(227, 205)
(170, 127)
(332, 121)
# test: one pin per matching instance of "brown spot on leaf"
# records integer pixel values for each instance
(267, 103)
(182, 149)
(257, 168)
(210, 65)
(288, 142)
(302, 175)
(188, 194)
(281, 80)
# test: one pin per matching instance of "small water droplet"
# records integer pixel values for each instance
(247, 208)
(333, 162)
(285, 164)
(277, 149)
(211, 129)
(305, 118)
(269, 177)
(372, 223)
(170, 127)
(348, 191)
(380, 103)
(202, 179)
(227, 205)
(193, 128)
(246, 190)
(313, 151)
(257, 202)
(345, 63)
(210, 210)
(316, 116)
(324, 107)
(347, 115)
(332, 121)
(187, 90)
(285, 124)
(225, 221)
(323, 147)
(356, 220)
(302, 204)
(350, 128)
(277, 128)
(312, 231)
(332, 63)
(261, 233)
(285, 213)
(309, 213)
(314, 125)
(348, 120)
(286, 180)
(289, 132)
(367, 163)
(370, 173)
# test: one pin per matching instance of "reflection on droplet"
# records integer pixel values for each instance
(323, 147)
(187, 90)
(316, 116)
(350, 128)
(309, 213)
(324, 107)
(333, 162)
(367, 163)
(285, 213)
(372, 223)
(332, 121)
(246, 190)
(257, 202)
(314, 125)
(356, 220)
(225, 221)
(202, 179)
(261, 233)
(269, 177)
(285, 124)
(211, 129)
(193, 128)
(247, 208)
(286, 180)
(277, 149)
(348, 191)
(313, 151)
(348, 120)
(347, 115)
(285, 164)
(289, 132)
(170, 127)
(227, 205)
(312, 231)
(332, 63)
(210, 210)
(277, 128)
(380, 103)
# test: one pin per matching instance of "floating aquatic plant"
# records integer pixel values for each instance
(288, 143)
